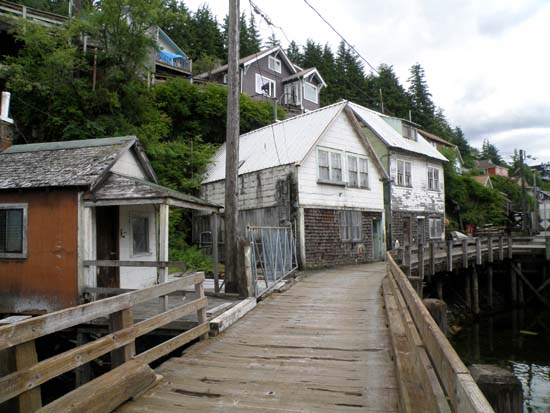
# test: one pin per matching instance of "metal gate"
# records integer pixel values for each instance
(273, 255)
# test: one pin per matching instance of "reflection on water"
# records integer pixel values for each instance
(518, 340)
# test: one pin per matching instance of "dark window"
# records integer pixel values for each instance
(350, 225)
(11, 231)
(140, 235)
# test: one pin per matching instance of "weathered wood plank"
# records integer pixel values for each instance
(143, 264)
(119, 321)
(223, 321)
(11, 335)
(38, 373)
(107, 392)
(25, 356)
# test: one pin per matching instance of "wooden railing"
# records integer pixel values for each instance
(30, 373)
(40, 16)
(443, 376)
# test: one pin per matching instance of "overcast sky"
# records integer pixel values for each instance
(487, 62)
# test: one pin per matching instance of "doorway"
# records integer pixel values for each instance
(107, 245)
(421, 230)
(406, 231)
(377, 242)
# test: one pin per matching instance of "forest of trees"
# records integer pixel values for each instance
(180, 124)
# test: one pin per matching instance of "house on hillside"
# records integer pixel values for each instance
(484, 180)
(166, 59)
(316, 171)
(487, 167)
(442, 144)
(415, 196)
(544, 171)
(270, 75)
(65, 203)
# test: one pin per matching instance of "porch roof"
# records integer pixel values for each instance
(118, 189)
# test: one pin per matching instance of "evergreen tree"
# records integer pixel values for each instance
(294, 54)
(206, 37)
(394, 96)
(349, 76)
(422, 106)
(254, 37)
(490, 151)
(272, 41)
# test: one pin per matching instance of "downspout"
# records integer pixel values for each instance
(387, 204)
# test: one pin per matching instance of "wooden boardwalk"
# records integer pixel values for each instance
(322, 346)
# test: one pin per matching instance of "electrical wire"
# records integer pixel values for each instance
(342, 37)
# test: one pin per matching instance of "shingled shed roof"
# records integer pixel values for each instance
(60, 164)
(121, 189)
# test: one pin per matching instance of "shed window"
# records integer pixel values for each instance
(311, 93)
(265, 86)
(363, 173)
(409, 132)
(358, 172)
(13, 231)
(274, 64)
(353, 176)
(433, 179)
(404, 173)
(436, 228)
(330, 165)
(350, 225)
(140, 235)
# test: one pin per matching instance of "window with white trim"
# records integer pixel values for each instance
(409, 132)
(311, 92)
(13, 230)
(436, 228)
(403, 177)
(265, 86)
(433, 178)
(140, 235)
(274, 64)
(330, 165)
(358, 172)
(350, 225)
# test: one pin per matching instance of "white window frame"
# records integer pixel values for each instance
(351, 228)
(316, 92)
(274, 64)
(24, 242)
(436, 230)
(141, 253)
(409, 132)
(361, 171)
(403, 181)
(433, 179)
(260, 81)
(331, 167)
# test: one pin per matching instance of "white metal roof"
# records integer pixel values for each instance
(393, 138)
(281, 143)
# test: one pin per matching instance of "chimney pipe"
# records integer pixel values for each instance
(6, 123)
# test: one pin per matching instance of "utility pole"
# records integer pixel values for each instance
(234, 275)
(381, 99)
(523, 197)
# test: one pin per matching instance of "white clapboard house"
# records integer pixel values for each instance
(317, 171)
(416, 192)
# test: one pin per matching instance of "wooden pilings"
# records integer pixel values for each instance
(475, 292)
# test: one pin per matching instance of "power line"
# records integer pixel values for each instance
(342, 37)
(266, 18)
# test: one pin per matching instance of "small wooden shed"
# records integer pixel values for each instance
(64, 206)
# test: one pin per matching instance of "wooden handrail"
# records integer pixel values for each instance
(29, 375)
(143, 264)
(463, 393)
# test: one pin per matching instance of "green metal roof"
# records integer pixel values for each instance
(56, 146)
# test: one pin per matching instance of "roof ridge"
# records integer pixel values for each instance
(67, 145)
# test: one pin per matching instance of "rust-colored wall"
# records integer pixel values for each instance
(47, 279)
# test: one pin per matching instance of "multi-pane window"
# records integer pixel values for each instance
(265, 86)
(330, 165)
(433, 179)
(350, 225)
(274, 64)
(140, 235)
(409, 132)
(311, 92)
(436, 228)
(358, 172)
(404, 173)
(13, 228)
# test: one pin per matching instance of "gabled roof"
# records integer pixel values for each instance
(431, 137)
(283, 143)
(303, 73)
(167, 39)
(484, 180)
(391, 137)
(248, 60)
(81, 163)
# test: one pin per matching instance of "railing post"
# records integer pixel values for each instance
(510, 247)
(465, 253)
(490, 249)
(479, 260)
(500, 248)
(214, 231)
(25, 356)
(201, 312)
(118, 321)
(408, 260)
(450, 255)
(162, 272)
